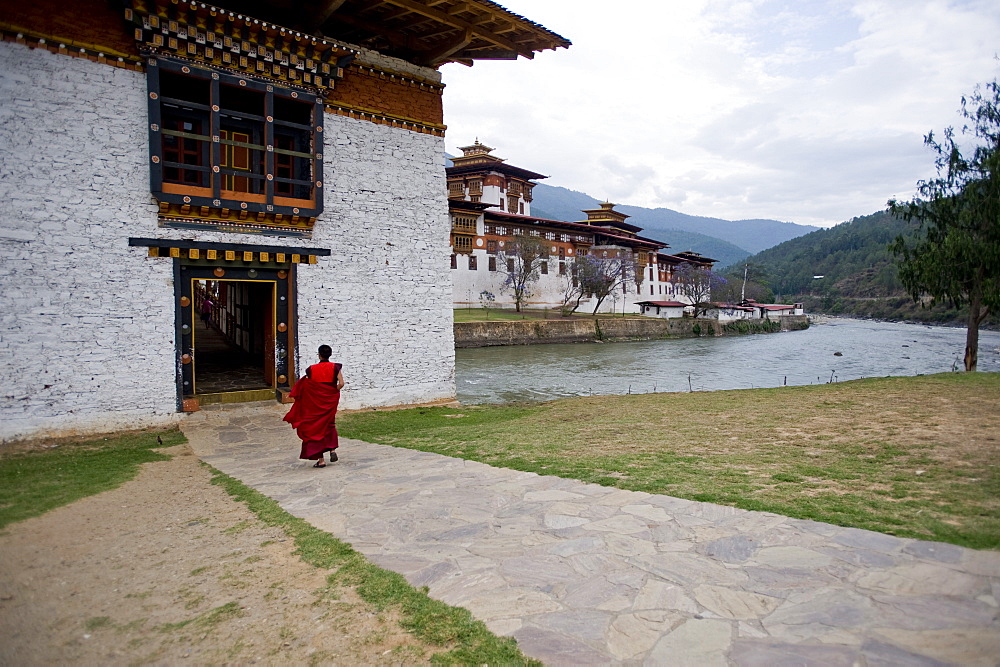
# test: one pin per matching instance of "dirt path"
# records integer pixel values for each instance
(168, 569)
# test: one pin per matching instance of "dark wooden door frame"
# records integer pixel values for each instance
(283, 314)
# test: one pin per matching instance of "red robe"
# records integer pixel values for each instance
(314, 415)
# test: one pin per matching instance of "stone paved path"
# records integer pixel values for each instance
(582, 574)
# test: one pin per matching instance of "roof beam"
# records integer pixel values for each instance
(476, 31)
(324, 11)
(492, 54)
(442, 54)
(395, 38)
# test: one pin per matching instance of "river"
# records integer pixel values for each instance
(867, 349)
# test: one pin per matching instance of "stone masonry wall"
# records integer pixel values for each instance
(533, 332)
(86, 322)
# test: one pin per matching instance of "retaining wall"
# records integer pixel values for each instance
(534, 332)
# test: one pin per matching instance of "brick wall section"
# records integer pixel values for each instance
(90, 22)
(381, 93)
(87, 323)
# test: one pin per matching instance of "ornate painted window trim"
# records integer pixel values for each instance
(208, 201)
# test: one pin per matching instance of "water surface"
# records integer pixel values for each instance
(867, 349)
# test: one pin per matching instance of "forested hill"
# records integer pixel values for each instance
(852, 258)
(659, 223)
(858, 272)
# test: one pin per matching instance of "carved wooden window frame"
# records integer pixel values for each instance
(268, 199)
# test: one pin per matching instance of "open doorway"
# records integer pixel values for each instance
(233, 335)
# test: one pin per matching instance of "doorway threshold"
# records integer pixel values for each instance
(245, 396)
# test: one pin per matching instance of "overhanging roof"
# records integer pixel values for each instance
(426, 32)
(501, 167)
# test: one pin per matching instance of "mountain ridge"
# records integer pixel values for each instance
(749, 235)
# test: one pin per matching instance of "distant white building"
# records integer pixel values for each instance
(663, 309)
(490, 204)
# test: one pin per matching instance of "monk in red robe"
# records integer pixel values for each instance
(314, 413)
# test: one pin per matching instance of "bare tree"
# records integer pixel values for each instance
(696, 283)
(572, 292)
(520, 264)
(599, 277)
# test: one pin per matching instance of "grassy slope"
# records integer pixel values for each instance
(913, 457)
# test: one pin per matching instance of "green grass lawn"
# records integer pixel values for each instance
(491, 315)
(915, 457)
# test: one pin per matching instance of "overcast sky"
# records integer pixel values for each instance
(806, 111)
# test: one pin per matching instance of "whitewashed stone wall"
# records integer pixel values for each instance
(382, 299)
(547, 292)
(86, 322)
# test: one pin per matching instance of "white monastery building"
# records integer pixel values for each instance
(490, 204)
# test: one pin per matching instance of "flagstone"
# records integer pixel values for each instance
(557, 521)
(932, 612)
(594, 592)
(588, 625)
(732, 549)
(791, 556)
(683, 568)
(536, 572)
(622, 524)
(511, 603)
(734, 604)
(832, 607)
(946, 553)
(923, 578)
(554, 648)
(624, 545)
(575, 546)
(549, 495)
(767, 653)
(954, 646)
(696, 642)
(631, 635)
(650, 512)
(661, 595)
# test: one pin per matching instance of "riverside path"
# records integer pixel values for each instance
(582, 574)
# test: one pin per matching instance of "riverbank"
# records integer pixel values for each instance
(900, 308)
(617, 329)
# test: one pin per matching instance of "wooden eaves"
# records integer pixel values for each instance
(425, 32)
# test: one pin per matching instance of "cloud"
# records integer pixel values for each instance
(811, 111)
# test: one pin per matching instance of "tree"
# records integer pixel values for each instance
(572, 291)
(598, 277)
(748, 280)
(697, 283)
(956, 255)
(520, 264)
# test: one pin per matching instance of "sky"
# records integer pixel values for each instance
(802, 111)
